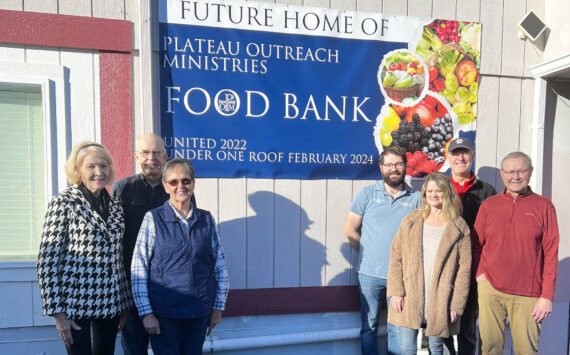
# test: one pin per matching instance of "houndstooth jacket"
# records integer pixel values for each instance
(80, 263)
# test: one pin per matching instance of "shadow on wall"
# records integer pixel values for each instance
(341, 278)
(491, 176)
(272, 247)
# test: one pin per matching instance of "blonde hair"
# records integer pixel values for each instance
(451, 203)
(78, 154)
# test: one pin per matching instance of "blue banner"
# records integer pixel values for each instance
(299, 100)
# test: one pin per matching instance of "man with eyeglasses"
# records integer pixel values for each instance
(371, 224)
(515, 253)
(139, 194)
(472, 192)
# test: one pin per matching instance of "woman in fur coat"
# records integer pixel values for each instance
(430, 267)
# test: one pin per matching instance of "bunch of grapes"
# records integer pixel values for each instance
(411, 135)
(440, 133)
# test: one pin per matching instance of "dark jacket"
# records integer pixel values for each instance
(473, 199)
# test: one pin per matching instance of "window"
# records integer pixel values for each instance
(23, 176)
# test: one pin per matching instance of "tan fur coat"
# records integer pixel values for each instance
(450, 279)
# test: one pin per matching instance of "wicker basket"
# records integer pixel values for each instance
(401, 93)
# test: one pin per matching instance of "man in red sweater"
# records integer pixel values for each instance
(515, 253)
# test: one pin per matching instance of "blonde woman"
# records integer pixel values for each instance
(80, 266)
(430, 267)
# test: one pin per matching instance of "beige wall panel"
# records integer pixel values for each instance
(357, 185)
(343, 4)
(16, 305)
(339, 197)
(369, 5)
(509, 119)
(132, 14)
(533, 53)
(288, 217)
(109, 9)
(75, 7)
(81, 94)
(313, 230)
(317, 3)
(206, 193)
(260, 226)
(39, 55)
(12, 54)
(491, 36)
(47, 6)
(556, 17)
(420, 8)
(513, 46)
(468, 10)
(444, 9)
(11, 5)
(39, 318)
(527, 110)
(395, 7)
(232, 226)
(290, 2)
(487, 117)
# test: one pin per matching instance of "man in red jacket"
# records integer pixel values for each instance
(515, 253)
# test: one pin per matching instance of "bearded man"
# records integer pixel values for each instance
(371, 224)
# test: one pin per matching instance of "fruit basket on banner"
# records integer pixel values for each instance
(424, 130)
(402, 77)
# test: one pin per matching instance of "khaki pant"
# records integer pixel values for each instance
(494, 308)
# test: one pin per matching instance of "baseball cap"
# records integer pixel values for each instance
(460, 143)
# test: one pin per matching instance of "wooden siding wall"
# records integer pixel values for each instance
(288, 233)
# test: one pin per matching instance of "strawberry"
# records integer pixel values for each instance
(433, 72)
(439, 84)
(431, 101)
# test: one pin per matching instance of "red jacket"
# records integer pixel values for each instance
(515, 244)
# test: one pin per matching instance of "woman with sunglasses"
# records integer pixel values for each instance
(178, 273)
(80, 263)
(430, 268)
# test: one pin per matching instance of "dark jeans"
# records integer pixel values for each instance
(180, 336)
(467, 337)
(104, 336)
(135, 338)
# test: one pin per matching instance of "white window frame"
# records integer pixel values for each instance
(541, 73)
(53, 82)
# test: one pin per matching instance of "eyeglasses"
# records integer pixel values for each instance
(398, 165)
(176, 182)
(146, 153)
(513, 173)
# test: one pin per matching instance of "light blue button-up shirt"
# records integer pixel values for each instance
(381, 218)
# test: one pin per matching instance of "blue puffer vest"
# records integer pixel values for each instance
(181, 281)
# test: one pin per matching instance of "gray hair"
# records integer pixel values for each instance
(521, 155)
(171, 164)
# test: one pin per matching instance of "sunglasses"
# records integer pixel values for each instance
(175, 182)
